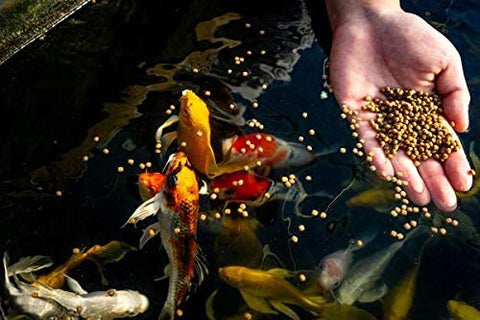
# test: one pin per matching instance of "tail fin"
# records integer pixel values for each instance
(29, 264)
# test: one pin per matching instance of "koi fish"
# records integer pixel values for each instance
(476, 186)
(176, 207)
(42, 302)
(272, 152)
(461, 311)
(360, 281)
(268, 291)
(193, 135)
(113, 251)
(149, 184)
(400, 300)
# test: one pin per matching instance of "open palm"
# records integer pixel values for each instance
(399, 49)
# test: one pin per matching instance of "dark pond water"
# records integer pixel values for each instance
(114, 68)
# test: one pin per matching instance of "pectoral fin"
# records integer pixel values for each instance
(145, 210)
(158, 135)
(373, 294)
(167, 139)
(257, 303)
(74, 285)
(166, 273)
(209, 306)
(284, 309)
(150, 232)
(28, 265)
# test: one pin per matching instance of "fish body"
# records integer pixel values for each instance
(335, 311)
(461, 311)
(400, 300)
(271, 151)
(178, 229)
(476, 185)
(268, 291)
(362, 277)
(379, 199)
(43, 302)
(100, 255)
(149, 184)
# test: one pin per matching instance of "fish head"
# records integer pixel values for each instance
(240, 186)
(127, 303)
(180, 189)
(332, 271)
(233, 275)
(194, 112)
(150, 183)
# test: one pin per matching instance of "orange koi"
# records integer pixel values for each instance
(176, 207)
(194, 137)
(149, 184)
(272, 152)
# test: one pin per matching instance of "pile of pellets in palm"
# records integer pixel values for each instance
(411, 121)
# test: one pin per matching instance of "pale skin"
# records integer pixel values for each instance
(377, 44)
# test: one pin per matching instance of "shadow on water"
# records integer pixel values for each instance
(115, 71)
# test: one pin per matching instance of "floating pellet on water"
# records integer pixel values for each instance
(213, 196)
(195, 70)
(442, 231)
(105, 151)
(76, 250)
(455, 223)
(268, 138)
(309, 148)
(264, 86)
(311, 132)
(301, 228)
(342, 150)
(434, 229)
(96, 138)
(203, 217)
(148, 164)
(199, 133)
(359, 243)
(151, 232)
(85, 158)
(58, 193)
(249, 52)
(449, 220)
(407, 226)
(245, 73)
(372, 168)
(284, 179)
(301, 138)
(267, 195)
(355, 134)
(427, 215)
(229, 71)
(172, 107)
(259, 163)
(294, 239)
(232, 106)
(323, 215)
(255, 104)
(397, 196)
(393, 233)
(304, 115)
(176, 230)
(413, 223)
(227, 211)
(314, 212)
(207, 93)
(403, 193)
(183, 144)
(217, 215)
(141, 166)
(179, 312)
(308, 178)
(120, 169)
(243, 205)
(394, 213)
(302, 277)
(261, 32)
(288, 184)
(400, 236)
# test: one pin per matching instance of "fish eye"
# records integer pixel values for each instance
(322, 267)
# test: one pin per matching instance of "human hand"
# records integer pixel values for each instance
(377, 44)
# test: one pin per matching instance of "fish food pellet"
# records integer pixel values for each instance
(411, 121)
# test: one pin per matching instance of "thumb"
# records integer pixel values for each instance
(452, 86)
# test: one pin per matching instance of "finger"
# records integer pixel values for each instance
(416, 189)
(441, 192)
(382, 164)
(452, 86)
(456, 166)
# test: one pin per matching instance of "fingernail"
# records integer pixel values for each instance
(417, 186)
(451, 201)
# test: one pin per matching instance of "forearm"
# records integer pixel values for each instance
(342, 10)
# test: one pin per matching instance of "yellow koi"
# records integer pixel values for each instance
(400, 299)
(461, 311)
(113, 251)
(476, 185)
(268, 291)
(380, 199)
(194, 137)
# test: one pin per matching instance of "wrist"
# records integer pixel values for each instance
(340, 11)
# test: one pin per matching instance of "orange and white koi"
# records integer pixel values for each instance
(271, 151)
(176, 207)
(149, 184)
(193, 136)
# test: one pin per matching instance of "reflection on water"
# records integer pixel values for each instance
(261, 73)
